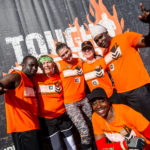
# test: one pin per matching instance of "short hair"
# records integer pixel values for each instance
(27, 57)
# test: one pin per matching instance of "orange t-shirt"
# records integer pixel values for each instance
(22, 107)
(73, 84)
(126, 121)
(128, 72)
(51, 103)
(93, 81)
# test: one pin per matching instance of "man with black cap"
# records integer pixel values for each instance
(117, 126)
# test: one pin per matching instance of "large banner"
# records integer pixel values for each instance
(34, 26)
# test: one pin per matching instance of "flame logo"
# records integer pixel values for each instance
(76, 34)
(102, 16)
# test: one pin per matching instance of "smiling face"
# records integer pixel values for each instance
(30, 66)
(101, 107)
(88, 52)
(66, 54)
(103, 40)
(47, 67)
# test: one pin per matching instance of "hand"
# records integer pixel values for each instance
(145, 17)
(136, 143)
(2, 89)
(99, 72)
(131, 135)
(58, 89)
(79, 70)
(11, 70)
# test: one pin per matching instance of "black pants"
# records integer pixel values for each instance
(54, 131)
(115, 99)
(27, 140)
(138, 99)
(49, 127)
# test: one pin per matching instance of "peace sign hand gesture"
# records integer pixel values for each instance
(145, 17)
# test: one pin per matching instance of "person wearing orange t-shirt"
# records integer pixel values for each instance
(117, 126)
(74, 92)
(22, 106)
(94, 74)
(130, 77)
(52, 113)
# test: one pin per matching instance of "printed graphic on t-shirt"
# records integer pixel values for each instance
(77, 80)
(57, 84)
(95, 82)
(116, 51)
(47, 88)
(29, 92)
(90, 75)
(112, 68)
(72, 72)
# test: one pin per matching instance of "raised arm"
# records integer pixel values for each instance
(145, 17)
(11, 81)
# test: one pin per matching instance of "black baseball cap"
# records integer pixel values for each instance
(96, 93)
(86, 44)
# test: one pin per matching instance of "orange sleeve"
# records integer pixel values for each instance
(102, 63)
(133, 38)
(96, 125)
(135, 118)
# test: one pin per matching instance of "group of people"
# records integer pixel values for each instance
(74, 93)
